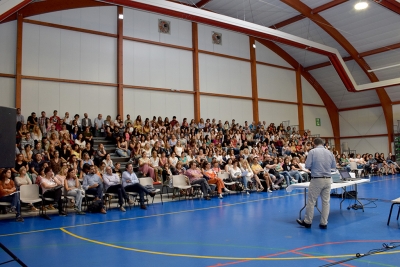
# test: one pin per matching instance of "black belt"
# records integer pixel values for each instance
(324, 177)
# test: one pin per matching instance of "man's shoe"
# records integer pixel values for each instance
(62, 213)
(302, 223)
(19, 218)
(323, 226)
(152, 194)
(103, 211)
(122, 209)
(79, 212)
(143, 207)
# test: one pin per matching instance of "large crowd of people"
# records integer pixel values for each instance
(58, 153)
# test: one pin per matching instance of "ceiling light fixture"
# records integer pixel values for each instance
(121, 16)
(361, 5)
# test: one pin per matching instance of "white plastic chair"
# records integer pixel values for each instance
(394, 202)
(353, 168)
(149, 181)
(29, 194)
(179, 182)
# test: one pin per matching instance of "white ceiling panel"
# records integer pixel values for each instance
(385, 59)
(309, 30)
(394, 93)
(262, 12)
(330, 81)
(304, 57)
(366, 29)
(315, 3)
(358, 74)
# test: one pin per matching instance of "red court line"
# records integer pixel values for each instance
(295, 251)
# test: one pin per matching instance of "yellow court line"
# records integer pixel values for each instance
(168, 213)
(214, 257)
(150, 216)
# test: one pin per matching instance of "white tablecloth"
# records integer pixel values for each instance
(333, 186)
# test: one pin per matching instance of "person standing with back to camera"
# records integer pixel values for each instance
(320, 161)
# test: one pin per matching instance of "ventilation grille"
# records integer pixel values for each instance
(216, 38)
(164, 26)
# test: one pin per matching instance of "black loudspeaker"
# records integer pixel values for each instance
(7, 137)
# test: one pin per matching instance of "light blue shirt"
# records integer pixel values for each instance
(90, 179)
(320, 161)
(129, 178)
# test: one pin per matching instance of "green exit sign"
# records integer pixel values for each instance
(317, 121)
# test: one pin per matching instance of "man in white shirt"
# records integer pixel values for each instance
(99, 125)
(113, 184)
(130, 182)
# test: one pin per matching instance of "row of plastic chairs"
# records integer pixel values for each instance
(29, 194)
(179, 182)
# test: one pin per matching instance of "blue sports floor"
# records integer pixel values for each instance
(240, 230)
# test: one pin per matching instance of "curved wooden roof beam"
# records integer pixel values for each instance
(386, 102)
(329, 104)
(314, 11)
(362, 54)
(42, 7)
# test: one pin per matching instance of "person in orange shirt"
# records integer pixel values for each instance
(212, 178)
(8, 193)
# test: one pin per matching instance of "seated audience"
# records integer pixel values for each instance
(130, 182)
(72, 186)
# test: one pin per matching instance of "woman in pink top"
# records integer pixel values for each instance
(196, 177)
(146, 167)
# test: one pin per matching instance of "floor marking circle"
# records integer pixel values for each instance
(216, 257)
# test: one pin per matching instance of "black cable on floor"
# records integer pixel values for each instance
(385, 247)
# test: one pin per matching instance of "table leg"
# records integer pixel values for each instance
(361, 204)
(305, 202)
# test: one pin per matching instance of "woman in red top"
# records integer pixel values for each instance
(8, 193)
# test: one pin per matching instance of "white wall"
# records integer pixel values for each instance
(157, 66)
(233, 44)
(224, 75)
(277, 84)
(310, 114)
(144, 25)
(56, 53)
(74, 98)
(103, 19)
(277, 112)
(264, 54)
(8, 47)
(368, 145)
(310, 96)
(226, 109)
(158, 103)
(367, 121)
(7, 92)
(396, 114)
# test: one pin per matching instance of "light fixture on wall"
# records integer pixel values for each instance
(361, 5)
(254, 45)
(121, 16)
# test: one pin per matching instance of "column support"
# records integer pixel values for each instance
(254, 88)
(196, 75)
